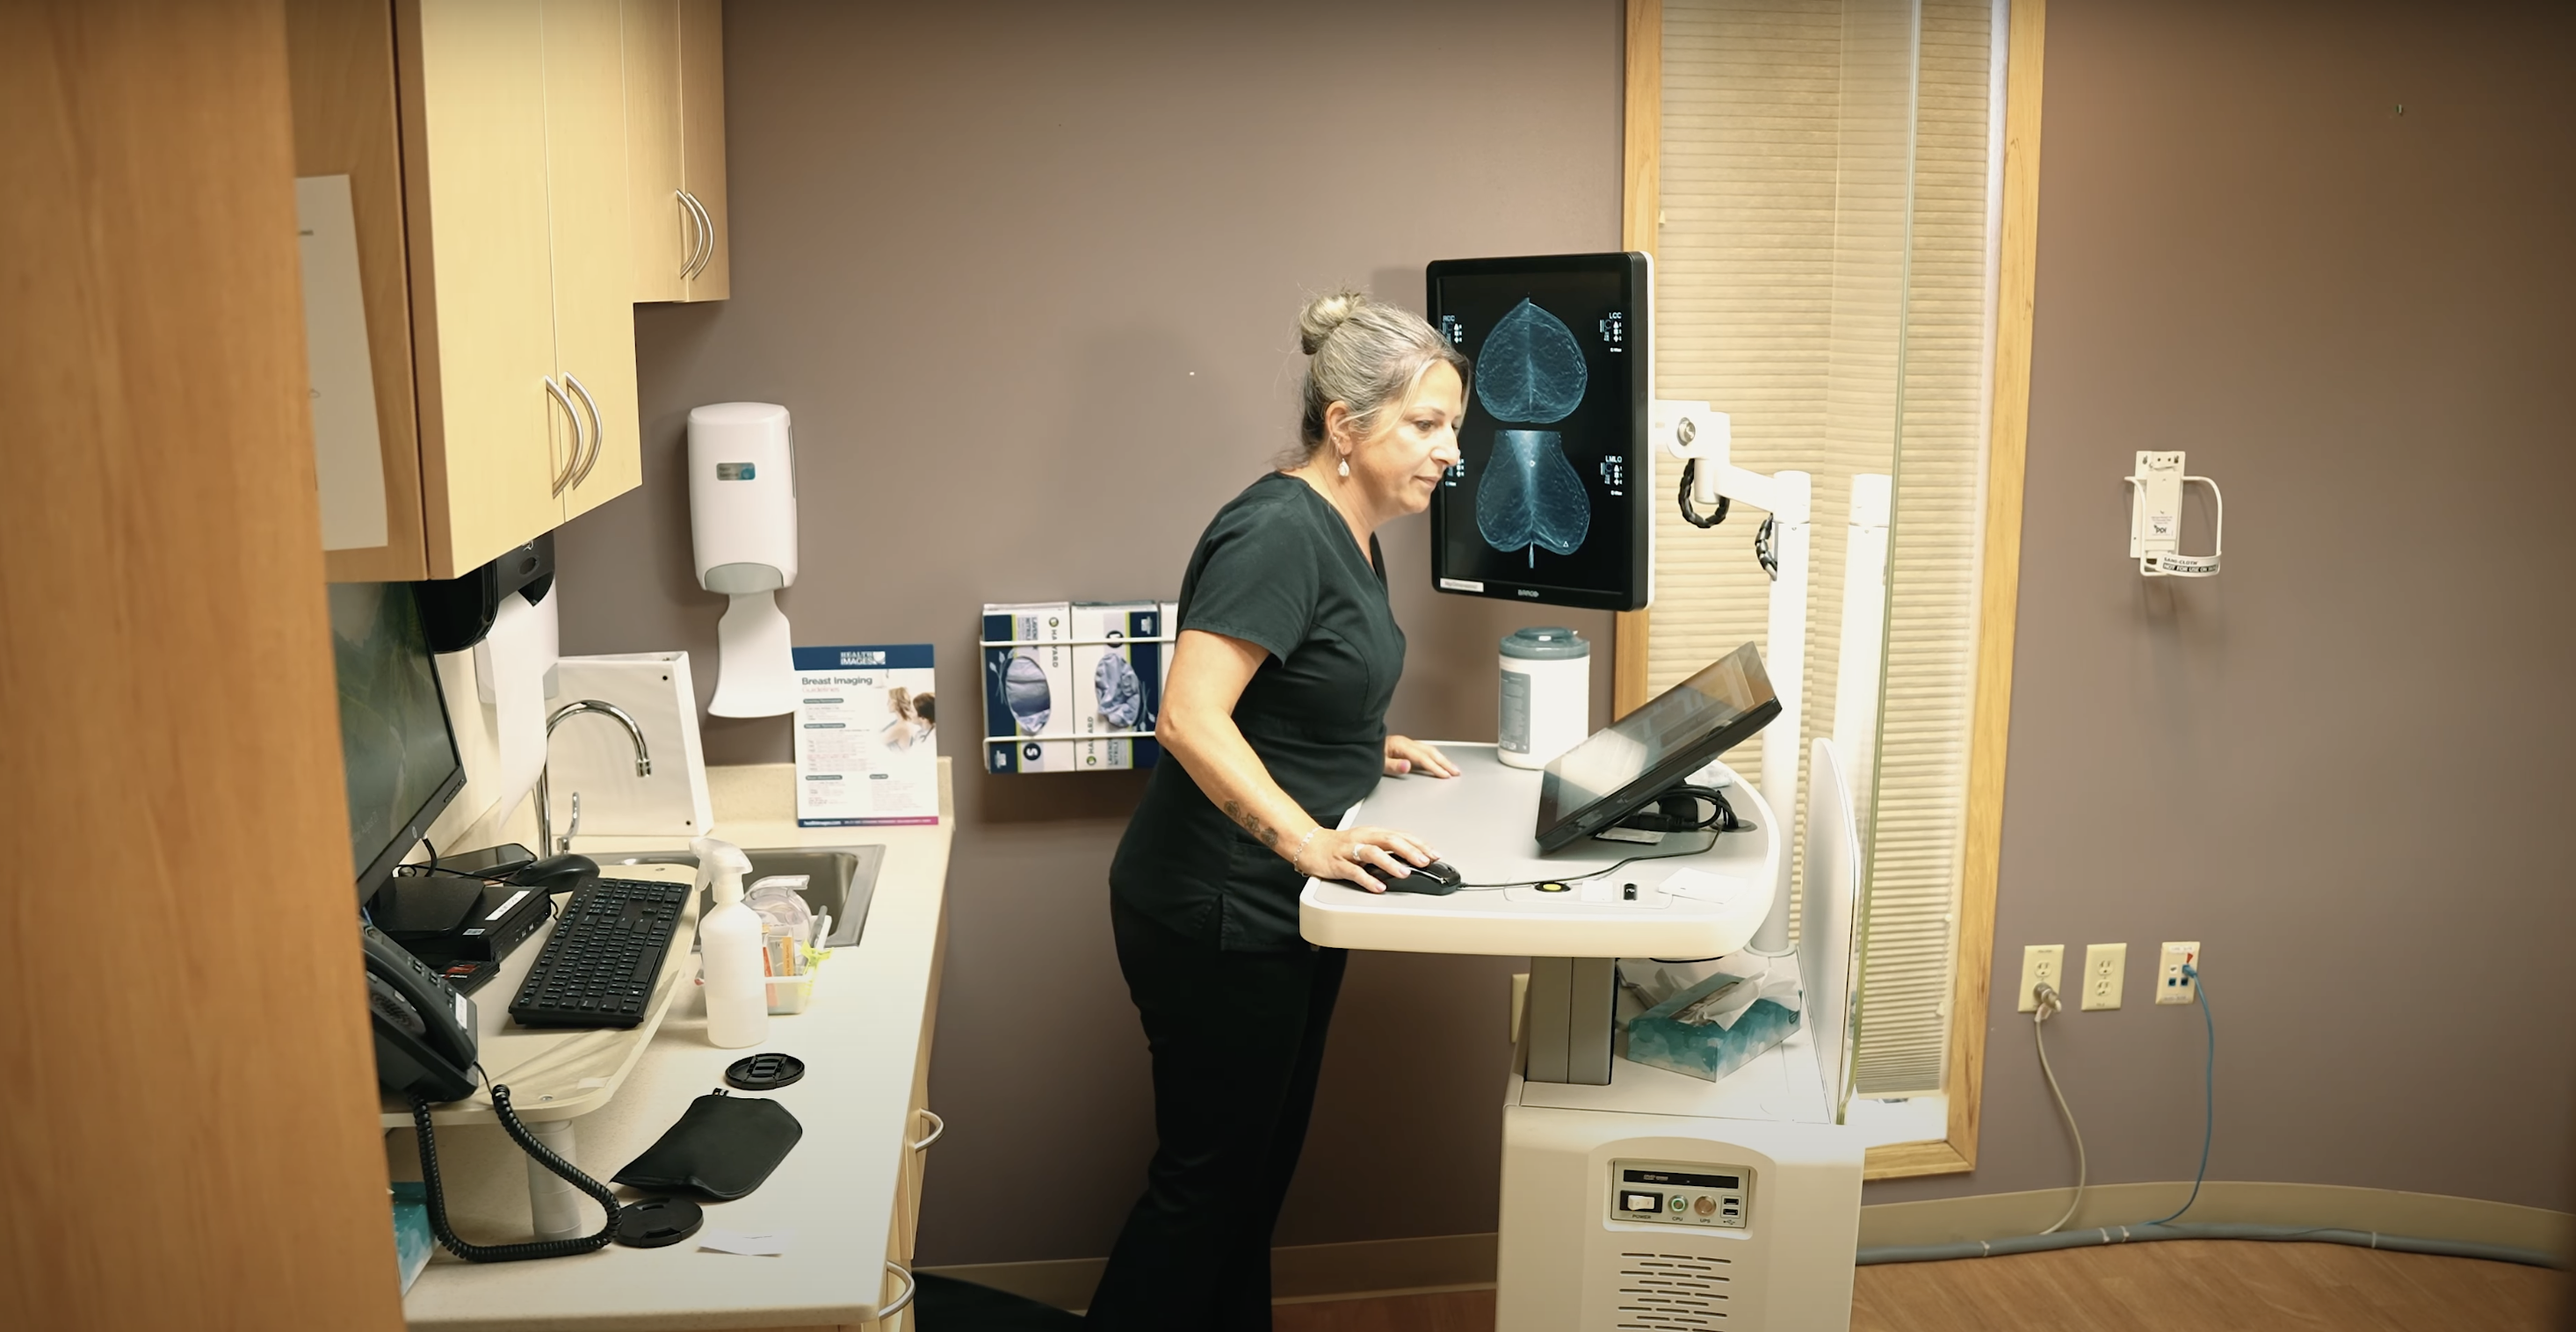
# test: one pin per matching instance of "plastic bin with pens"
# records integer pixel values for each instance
(791, 938)
(1074, 686)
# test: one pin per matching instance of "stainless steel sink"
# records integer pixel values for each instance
(843, 879)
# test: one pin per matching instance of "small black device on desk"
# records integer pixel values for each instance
(463, 923)
(598, 966)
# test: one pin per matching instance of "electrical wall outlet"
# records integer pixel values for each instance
(2173, 987)
(2041, 964)
(2105, 967)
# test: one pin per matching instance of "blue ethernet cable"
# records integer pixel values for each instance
(2208, 1095)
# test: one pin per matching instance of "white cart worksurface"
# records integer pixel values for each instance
(850, 1189)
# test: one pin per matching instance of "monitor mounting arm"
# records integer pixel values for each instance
(1712, 484)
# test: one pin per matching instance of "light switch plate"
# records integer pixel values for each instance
(2106, 967)
(2042, 963)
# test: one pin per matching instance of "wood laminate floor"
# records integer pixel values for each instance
(2234, 1287)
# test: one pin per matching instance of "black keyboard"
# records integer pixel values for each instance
(598, 967)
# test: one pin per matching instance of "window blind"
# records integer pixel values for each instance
(1824, 275)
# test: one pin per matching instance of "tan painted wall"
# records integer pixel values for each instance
(2343, 764)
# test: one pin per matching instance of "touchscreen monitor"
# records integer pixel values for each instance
(1636, 758)
(1551, 499)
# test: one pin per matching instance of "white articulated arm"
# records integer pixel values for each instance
(1702, 438)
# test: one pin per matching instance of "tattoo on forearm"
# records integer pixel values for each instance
(1242, 814)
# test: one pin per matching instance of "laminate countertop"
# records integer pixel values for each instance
(862, 1041)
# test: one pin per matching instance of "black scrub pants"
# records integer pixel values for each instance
(1237, 1040)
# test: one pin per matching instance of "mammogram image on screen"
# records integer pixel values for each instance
(1531, 370)
(1531, 496)
(1539, 501)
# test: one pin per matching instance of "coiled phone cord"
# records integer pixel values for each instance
(543, 1155)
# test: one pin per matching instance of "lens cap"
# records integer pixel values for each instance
(657, 1222)
(765, 1072)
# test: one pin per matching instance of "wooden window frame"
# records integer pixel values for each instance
(1998, 594)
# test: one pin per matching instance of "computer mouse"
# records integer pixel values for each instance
(558, 874)
(1439, 879)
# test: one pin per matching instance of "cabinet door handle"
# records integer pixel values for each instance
(903, 1301)
(697, 232)
(597, 434)
(937, 1127)
(706, 230)
(557, 393)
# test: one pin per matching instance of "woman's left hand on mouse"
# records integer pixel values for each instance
(1405, 754)
(1339, 854)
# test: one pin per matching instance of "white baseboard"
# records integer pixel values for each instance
(1466, 1262)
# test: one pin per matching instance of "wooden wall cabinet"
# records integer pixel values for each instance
(675, 152)
(504, 347)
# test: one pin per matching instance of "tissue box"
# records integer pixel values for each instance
(1718, 1024)
(412, 1239)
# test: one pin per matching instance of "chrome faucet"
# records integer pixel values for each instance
(545, 807)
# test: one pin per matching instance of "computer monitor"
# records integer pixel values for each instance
(1552, 500)
(1640, 756)
(395, 745)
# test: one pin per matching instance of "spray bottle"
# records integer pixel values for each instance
(729, 950)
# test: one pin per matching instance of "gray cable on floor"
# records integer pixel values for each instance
(2144, 1234)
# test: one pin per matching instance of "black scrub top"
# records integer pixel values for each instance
(1276, 568)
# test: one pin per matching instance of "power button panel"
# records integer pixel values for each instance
(1673, 1194)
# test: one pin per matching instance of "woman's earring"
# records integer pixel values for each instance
(1346, 464)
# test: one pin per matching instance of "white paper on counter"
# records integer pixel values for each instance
(348, 457)
(511, 662)
(595, 756)
(767, 1245)
(755, 659)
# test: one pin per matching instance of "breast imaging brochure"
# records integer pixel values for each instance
(867, 742)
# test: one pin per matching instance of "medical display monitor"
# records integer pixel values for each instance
(1551, 500)
(1640, 756)
(398, 754)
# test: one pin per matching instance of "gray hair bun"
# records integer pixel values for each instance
(1324, 314)
(1366, 355)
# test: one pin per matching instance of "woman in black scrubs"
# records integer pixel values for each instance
(1276, 711)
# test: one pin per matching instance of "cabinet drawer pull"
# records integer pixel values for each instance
(706, 250)
(697, 233)
(574, 417)
(597, 434)
(903, 1301)
(937, 1127)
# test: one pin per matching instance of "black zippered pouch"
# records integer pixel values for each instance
(721, 1149)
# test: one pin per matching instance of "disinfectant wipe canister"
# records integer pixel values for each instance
(1547, 695)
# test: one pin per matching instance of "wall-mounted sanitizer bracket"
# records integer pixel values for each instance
(2155, 518)
(1702, 438)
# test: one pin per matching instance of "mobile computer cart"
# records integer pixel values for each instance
(1634, 1197)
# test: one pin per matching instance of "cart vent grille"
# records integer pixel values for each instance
(1671, 1292)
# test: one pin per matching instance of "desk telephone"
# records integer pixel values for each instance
(424, 1034)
